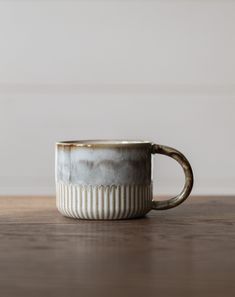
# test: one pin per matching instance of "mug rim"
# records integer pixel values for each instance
(104, 143)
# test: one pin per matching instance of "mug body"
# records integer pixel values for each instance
(103, 179)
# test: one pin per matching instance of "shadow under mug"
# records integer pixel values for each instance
(111, 179)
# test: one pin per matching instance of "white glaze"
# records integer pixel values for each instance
(103, 202)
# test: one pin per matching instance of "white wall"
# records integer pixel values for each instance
(155, 70)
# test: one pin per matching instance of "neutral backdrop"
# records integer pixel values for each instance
(154, 70)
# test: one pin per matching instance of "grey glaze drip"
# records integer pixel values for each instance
(83, 166)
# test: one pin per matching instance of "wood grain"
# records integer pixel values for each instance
(186, 251)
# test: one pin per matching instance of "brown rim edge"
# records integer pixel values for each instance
(103, 143)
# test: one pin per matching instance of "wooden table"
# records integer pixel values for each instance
(186, 251)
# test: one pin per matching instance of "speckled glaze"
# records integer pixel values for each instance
(105, 179)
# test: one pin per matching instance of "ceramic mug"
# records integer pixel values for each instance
(109, 180)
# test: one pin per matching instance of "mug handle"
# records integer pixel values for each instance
(180, 158)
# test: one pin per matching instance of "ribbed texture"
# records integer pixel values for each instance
(103, 202)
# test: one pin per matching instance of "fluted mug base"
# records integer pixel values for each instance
(103, 202)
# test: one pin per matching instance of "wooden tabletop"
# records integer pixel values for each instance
(186, 251)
